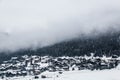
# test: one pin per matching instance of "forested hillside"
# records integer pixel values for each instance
(106, 44)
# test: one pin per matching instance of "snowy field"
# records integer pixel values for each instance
(113, 74)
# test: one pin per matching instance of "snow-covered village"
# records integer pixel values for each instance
(37, 66)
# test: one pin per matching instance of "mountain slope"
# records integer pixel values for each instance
(105, 44)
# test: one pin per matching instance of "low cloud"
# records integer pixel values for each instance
(37, 23)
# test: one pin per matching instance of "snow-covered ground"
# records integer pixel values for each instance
(113, 74)
(92, 75)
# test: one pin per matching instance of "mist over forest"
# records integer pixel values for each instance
(34, 24)
(59, 28)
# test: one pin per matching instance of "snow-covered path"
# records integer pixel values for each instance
(78, 75)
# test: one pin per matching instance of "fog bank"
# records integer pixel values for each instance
(37, 23)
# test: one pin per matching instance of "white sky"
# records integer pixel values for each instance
(26, 23)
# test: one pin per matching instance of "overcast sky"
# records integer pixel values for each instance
(34, 23)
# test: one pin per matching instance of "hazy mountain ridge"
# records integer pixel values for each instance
(106, 44)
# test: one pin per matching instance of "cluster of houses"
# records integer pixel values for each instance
(35, 65)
